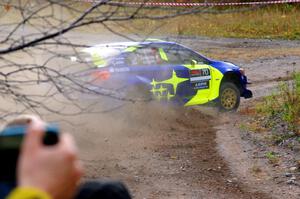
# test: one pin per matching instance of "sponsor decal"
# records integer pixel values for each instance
(159, 90)
(200, 78)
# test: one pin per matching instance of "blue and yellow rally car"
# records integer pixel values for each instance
(167, 71)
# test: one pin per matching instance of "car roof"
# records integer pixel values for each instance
(124, 45)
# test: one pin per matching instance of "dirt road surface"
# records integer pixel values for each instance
(160, 152)
(173, 152)
(170, 152)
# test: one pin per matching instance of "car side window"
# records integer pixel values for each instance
(178, 55)
(144, 57)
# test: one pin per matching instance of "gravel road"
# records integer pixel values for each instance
(172, 152)
(168, 152)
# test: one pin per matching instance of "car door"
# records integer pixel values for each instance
(197, 89)
(200, 81)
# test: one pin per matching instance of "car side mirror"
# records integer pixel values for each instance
(193, 62)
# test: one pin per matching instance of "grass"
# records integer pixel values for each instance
(284, 106)
(269, 22)
(272, 157)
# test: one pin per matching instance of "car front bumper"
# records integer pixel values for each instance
(247, 94)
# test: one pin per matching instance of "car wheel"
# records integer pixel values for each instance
(229, 98)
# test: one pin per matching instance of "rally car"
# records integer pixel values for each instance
(168, 72)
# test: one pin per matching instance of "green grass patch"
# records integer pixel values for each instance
(272, 157)
(283, 107)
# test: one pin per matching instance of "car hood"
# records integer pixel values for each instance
(224, 66)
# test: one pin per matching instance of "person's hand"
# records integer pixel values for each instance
(53, 169)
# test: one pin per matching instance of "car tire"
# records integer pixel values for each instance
(229, 97)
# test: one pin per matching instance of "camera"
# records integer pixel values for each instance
(10, 143)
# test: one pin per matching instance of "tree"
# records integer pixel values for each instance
(36, 45)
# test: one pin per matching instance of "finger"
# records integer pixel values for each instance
(79, 171)
(77, 174)
(67, 144)
(22, 120)
(34, 135)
